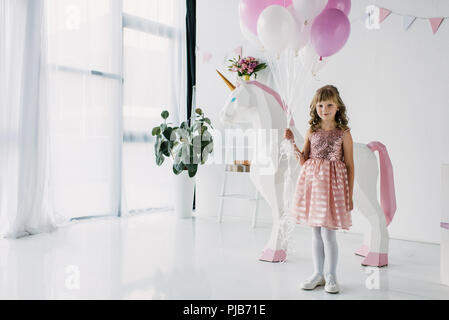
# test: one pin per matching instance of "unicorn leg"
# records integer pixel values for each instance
(375, 246)
(364, 248)
(272, 189)
(377, 255)
(376, 249)
(275, 250)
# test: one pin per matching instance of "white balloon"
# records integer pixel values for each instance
(275, 28)
(309, 9)
(301, 35)
(248, 35)
(298, 18)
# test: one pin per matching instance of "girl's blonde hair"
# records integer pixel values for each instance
(328, 93)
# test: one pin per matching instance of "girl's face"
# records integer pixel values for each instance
(326, 110)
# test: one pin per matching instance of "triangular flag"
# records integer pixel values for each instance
(407, 22)
(364, 17)
(435, 24)
(383, 14)
(238, 51)
(206, 57)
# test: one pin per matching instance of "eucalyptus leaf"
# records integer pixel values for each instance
(177, 168)
(192, 168)
(184, 125)
(206, 136)
(164, 148)
(157, 144)
(204, 157)
(167, 133)
(165, 114)
(156, 131)
(159, 160)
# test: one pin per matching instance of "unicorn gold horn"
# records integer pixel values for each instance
(228, 83)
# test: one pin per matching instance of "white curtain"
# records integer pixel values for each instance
(25, 184)
(85, 54)
(62, 113)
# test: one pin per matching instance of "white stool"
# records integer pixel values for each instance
(224, 196)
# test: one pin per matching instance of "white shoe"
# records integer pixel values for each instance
(331, 284)
(313, 282)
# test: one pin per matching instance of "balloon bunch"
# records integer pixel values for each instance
(295, 36)
(280, 24)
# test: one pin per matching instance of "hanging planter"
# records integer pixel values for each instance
(188, 146)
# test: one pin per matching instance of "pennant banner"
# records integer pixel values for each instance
(407, 22)
(207, 56)
(383, 14)
(238, 51)
(435, 22)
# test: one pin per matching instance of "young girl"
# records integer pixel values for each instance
(323, 196)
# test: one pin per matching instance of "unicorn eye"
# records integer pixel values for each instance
(233, 99)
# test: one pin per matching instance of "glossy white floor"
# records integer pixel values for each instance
(155, 256)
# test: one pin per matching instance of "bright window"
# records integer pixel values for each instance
(148, 36)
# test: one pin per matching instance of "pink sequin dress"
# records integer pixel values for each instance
(321, 197)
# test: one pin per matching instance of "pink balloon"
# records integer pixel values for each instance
(330, 31)
(251, 9)
(343, 5)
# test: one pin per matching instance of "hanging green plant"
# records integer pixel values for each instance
(188, 145)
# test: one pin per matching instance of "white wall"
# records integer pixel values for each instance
(395, 85)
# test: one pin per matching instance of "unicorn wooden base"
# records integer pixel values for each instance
(254, 102)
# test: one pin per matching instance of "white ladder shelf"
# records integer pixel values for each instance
(224, 196)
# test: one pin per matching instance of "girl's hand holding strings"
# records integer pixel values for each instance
(288, 134)
(290, 137)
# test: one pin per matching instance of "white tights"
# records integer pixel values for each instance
(324, 244)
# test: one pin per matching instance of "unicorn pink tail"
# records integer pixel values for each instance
(387, 194)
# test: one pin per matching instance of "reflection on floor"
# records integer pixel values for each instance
(156, 256)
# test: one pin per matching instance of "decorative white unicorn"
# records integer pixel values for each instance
(258, 104)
